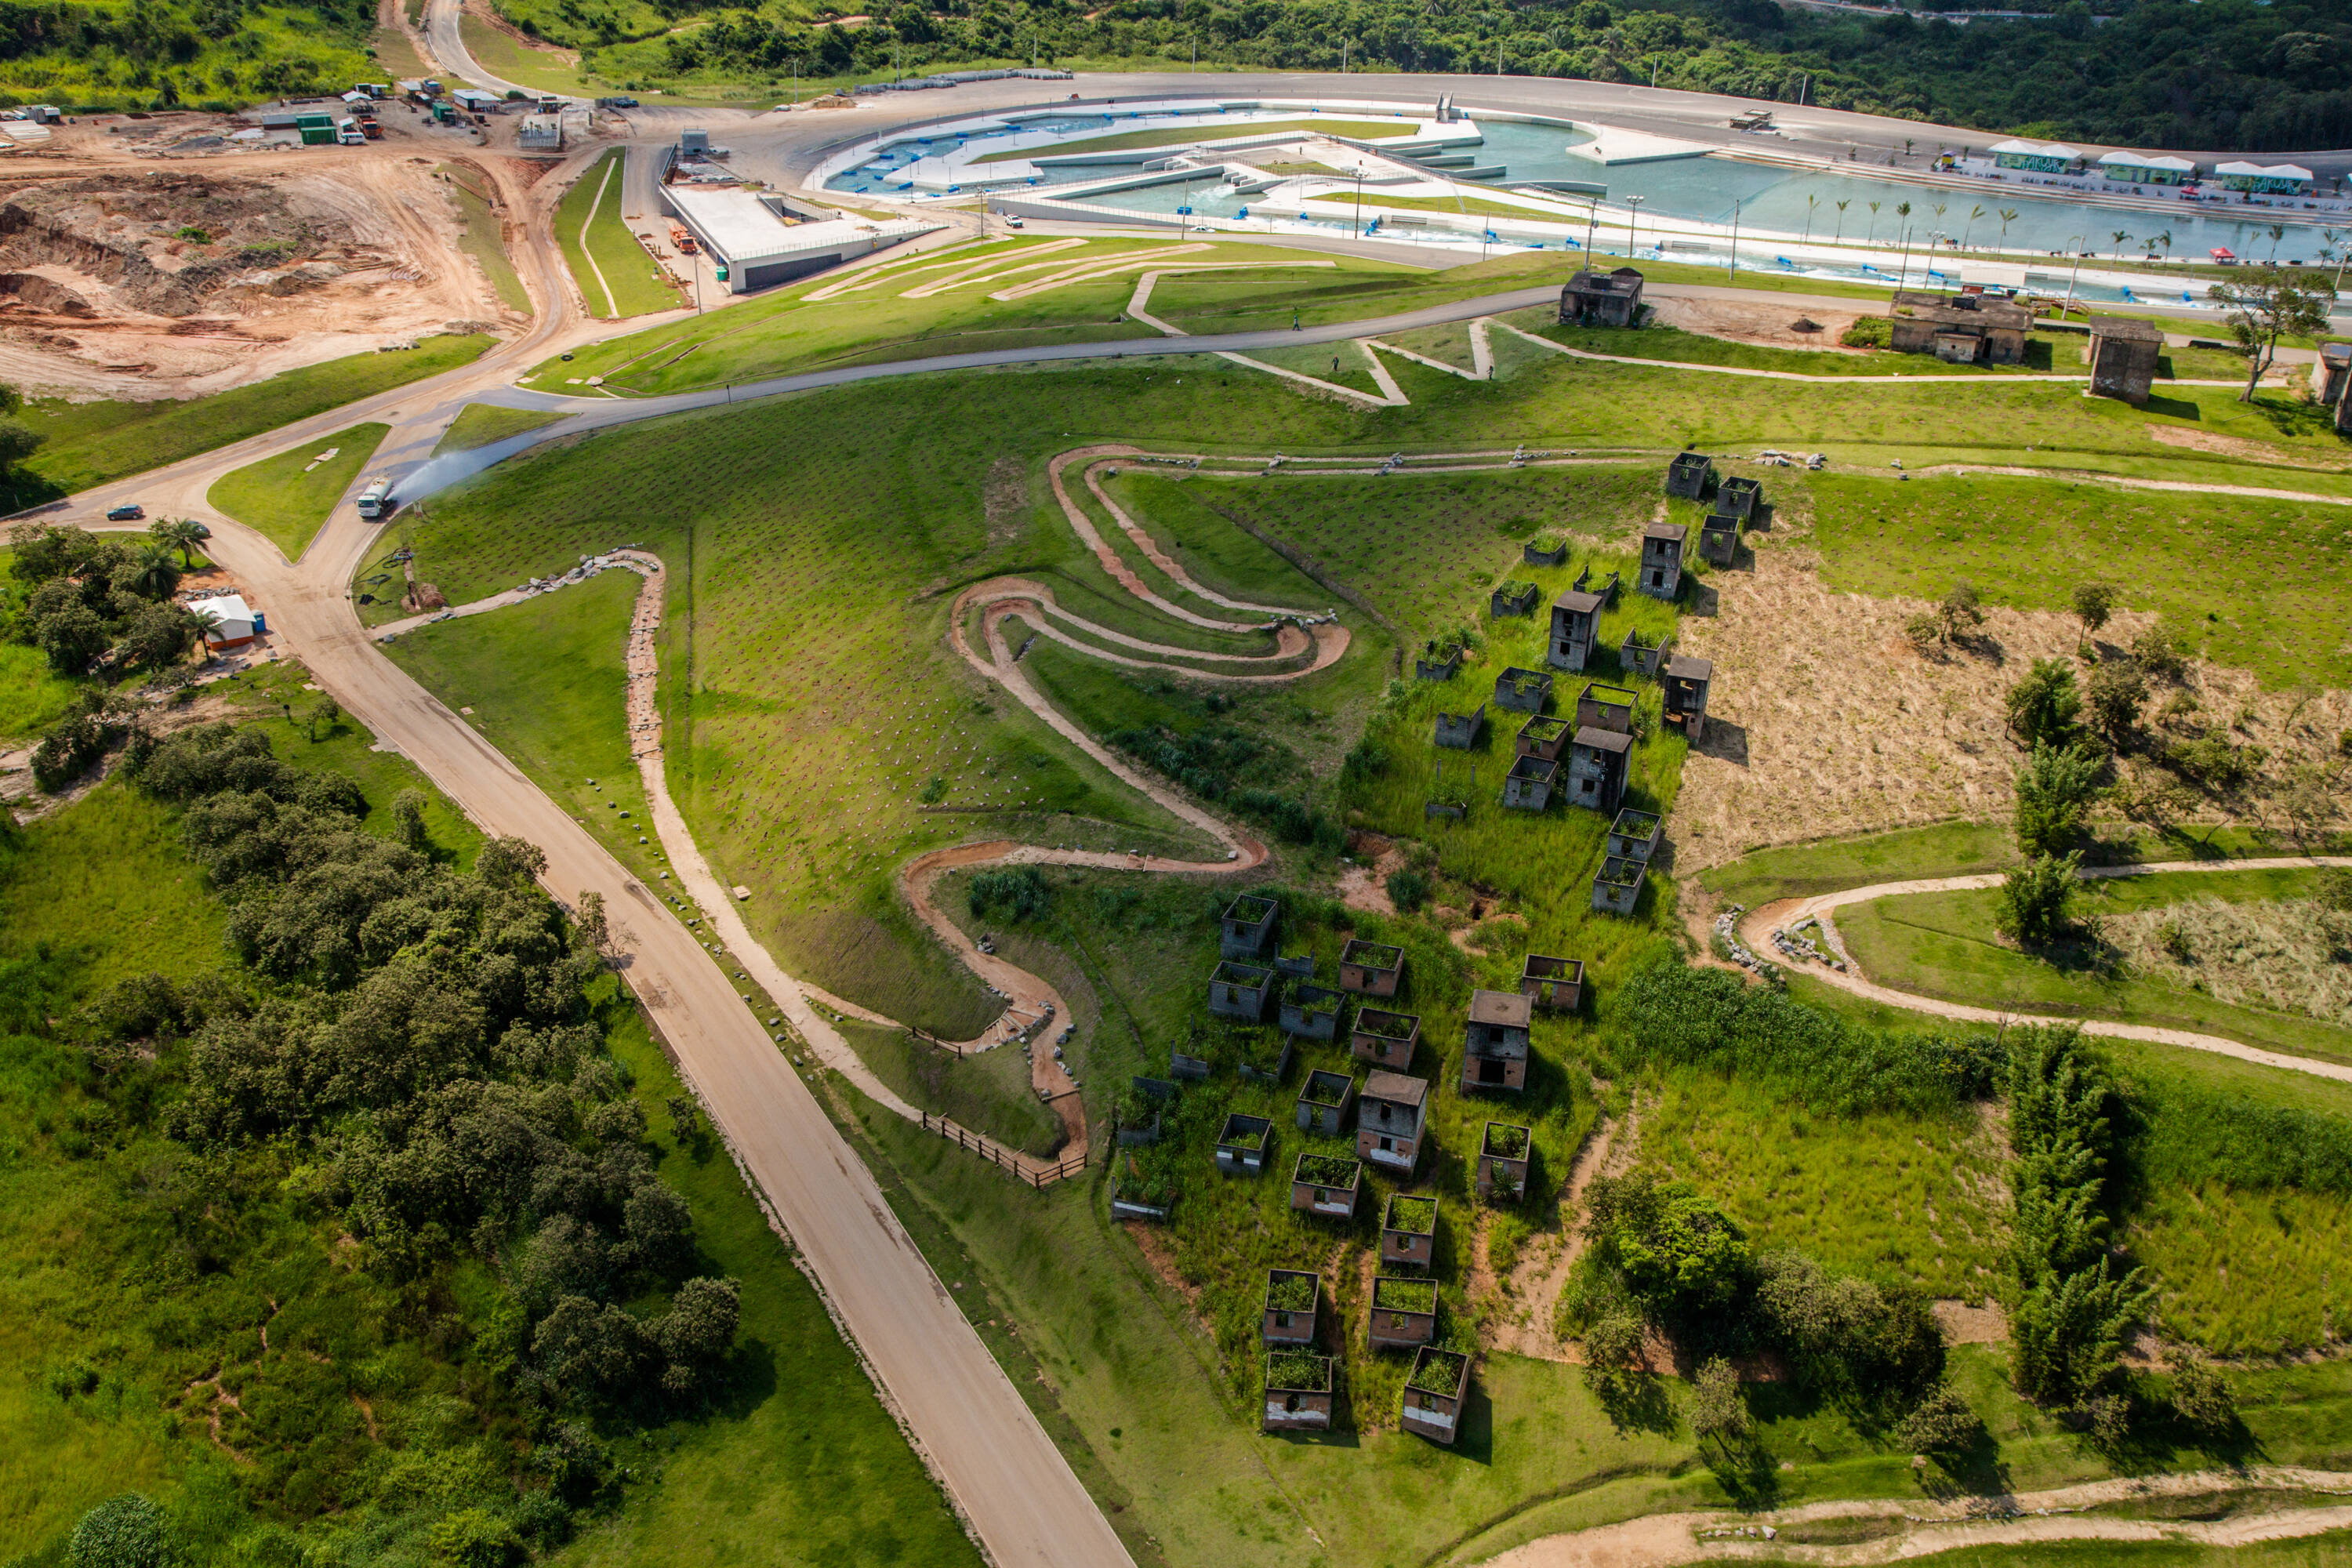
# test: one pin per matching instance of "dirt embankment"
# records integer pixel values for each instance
(144, 283)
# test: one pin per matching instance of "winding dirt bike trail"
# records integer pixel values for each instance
(1756, 926)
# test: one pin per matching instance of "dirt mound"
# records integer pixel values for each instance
(44, 294)
(166, 243)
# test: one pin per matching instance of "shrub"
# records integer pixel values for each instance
(1613, 1339)
(1943, 1423)
(1868, 333)
(1677, 1250)
(1961, 611)
(1716, 1409)
(2037, 900)
(1018, 893)
(2158, 651)
(2211, 760)
(2116, 691)
(2336, 889)
(2055, 790)
(2094, 603)
(2045, 705)
(1924, 631)
(2201, 1397)
(127, 1530)
(1408, 889)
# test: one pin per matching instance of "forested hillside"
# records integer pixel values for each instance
(2226, 73)
(155, 54)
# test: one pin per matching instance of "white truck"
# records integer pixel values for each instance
(375, 500)
(348, 133)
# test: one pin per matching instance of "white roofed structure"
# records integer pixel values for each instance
(763, 242)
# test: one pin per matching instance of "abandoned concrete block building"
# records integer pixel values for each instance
(1545, 551)
(1967, 328)
(1555, 984)
(1599, 707)
(1459, 731)
(1371, 969)
(1437, 661)
(2329, 373)
(1512, 597)
(1522, 690)
(1311, 1011)
(1503, 1162)
(1243, 1144)
(1290, 1306)
(1640, 655)
(1597, 761)
(2123, 357)
(1326, 1184)
(1542, 737)
(1738, 498)
(1690, 475)
(1617, 886)
(1687, 679)
(1391, 1111)
(1575, 626)
(1495, 1041)
(1434, 1393)
(1298, 1396)
(1528, 785)
(1248, 926)
(1636, 834)
(1242, 991)
(1408, 1230)
(1384, 1039)
(1718, 541)
(1324, 1101)
(1662, 560)
(1602, 299)
(1404, 1312)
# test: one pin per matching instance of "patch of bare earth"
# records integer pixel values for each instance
(1004, 500)
(1364, 885)
(1981, 1323)
(148, 283)
(2237, 446)
(1530, 1298)
(1149, 1241)
(1826, 719)
(1762, 321)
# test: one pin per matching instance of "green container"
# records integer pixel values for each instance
(314, 121)
(318, 136)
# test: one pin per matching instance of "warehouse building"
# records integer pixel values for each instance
(756, 240)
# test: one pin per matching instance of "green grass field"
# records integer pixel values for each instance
(483, 240)
(1341, 363)
(615, 276)
(1943, 944)
(90, 443)
(290, 496)
(486, 424)
(2023, 542)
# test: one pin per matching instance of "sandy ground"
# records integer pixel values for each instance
(1767, 320)
(375, 262)
(1825, 721)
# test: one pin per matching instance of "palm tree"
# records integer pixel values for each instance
(1841, 222)
(2163, 242)
(184, 531)
(2278, 232)
(1872, 236)
(2121, 236)
(153, 571)
(1810, 202)
(1974, 214)
(2008, 216)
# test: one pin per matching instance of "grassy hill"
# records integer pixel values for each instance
(158, 54)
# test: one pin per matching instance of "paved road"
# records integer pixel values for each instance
(1756, 930)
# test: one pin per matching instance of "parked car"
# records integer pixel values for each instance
(131, 513)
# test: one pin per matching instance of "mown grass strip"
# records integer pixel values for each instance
(291, 496)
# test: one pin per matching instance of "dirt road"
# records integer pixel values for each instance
(1756, 926)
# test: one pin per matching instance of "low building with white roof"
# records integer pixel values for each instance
(759, 241)
(2264, 179)
(2041, 157)
(230, 622)
(2147, 168)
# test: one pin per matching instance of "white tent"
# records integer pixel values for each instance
(228, 622)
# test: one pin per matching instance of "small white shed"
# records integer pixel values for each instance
(229, 623)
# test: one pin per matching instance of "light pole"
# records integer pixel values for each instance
(1592, 220)
(1734, 272)
(1632, 225)
(2071, 241)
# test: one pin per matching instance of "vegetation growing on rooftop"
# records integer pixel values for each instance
(1438, 1371)
(1404, 1295)
(1327, 1171)
(1288, 1292)
(1418, 1216)
(1297, 1371)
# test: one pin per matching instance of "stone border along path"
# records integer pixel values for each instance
(1756, 926)
(1922, 1527)
(612, 167)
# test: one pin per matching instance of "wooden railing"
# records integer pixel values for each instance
(1035, 1172)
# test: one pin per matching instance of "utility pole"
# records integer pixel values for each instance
(1903, 262)
(1632, 223)
(1196, 54)
(1343, 58)
(2066, 309)
(1734, 273)
(1591, 219)
(1498, 57)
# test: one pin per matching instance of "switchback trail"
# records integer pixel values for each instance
(1757, 925)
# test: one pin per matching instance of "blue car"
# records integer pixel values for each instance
(131, 513)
